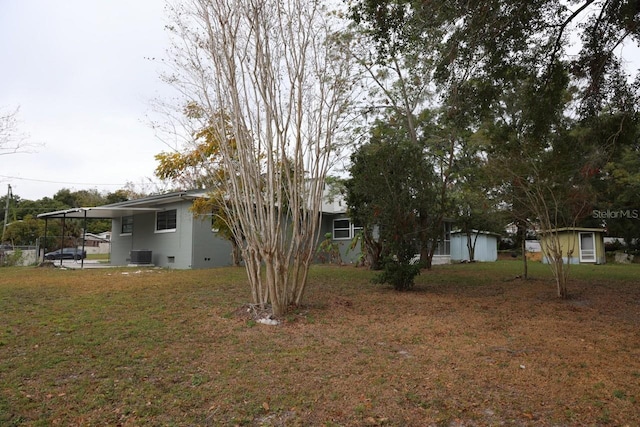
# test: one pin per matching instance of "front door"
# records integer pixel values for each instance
(587, 247)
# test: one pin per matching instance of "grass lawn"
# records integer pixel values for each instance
(98, 257)
(472, 345)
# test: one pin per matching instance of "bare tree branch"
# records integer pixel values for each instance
(11, 140)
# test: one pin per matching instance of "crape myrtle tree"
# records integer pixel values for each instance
(272, 82)
(538, 160)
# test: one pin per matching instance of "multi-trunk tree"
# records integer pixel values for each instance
(272, 82)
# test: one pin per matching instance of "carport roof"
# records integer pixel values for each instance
(101, 212)
(126, 208)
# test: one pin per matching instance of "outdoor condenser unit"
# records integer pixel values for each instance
(142, 256)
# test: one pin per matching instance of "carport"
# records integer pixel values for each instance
(100, 212)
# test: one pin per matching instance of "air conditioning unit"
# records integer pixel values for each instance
(142, 256)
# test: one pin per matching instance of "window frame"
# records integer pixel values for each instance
(164, 216)
(351, 229)
(587, 255)
(125, 221)
(444, 244)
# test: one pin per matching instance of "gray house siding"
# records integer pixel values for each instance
(173, 249)
(344, 238)
(192, 244)
(121, 244)
(169, 248)
(209, 250)
(343, 232)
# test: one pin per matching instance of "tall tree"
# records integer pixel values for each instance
(476, 206)
(495, 33)
(488, 51)
(273, 82)
(390, 192)
(400, 77)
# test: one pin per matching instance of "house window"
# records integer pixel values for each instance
(127, 225)
(355, 229)
(344, 229)
(444, 245)
(166, 220)
(341, 229)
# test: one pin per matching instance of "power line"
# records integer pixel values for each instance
(57, 182)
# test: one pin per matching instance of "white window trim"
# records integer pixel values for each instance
(352, 229)
(165, 230)
(168, 230)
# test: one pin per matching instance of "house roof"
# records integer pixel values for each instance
(92, 236)
(486, 233)
(152, 204)
(127, 208)
(96, 212)
(159, 199)
(573, 229)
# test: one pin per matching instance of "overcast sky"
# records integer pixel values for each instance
(80, 72)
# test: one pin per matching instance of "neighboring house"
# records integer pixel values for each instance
(163, 231)
(579, 245)
(486, 246)
(342, 231)
(97, 243)
(532, 246)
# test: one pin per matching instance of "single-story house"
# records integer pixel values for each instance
(163, 231)
(578, 245)
(486, 246)
(159, 230)
(342, 231)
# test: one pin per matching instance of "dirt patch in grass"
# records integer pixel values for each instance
(470, 346)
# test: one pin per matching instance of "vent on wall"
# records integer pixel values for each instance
(140, 257)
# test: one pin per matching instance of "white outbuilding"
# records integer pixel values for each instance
(485, 246)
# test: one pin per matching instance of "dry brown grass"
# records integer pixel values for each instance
(471, 346)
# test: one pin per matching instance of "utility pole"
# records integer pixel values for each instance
(6, 212)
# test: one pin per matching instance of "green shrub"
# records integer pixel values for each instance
(401, 275)
(329, 251)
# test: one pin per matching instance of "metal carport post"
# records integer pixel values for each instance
(84, 236)
(44, 249)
